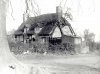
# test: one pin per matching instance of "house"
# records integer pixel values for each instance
(49, 31)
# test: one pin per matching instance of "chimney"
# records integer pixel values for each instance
(59, 12)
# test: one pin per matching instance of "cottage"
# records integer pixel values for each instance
(49, 30)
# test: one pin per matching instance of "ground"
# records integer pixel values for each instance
(58, 64)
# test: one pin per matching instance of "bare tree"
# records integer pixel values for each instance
(8, 63)
(32, 9)
(89, 39)
(68, 14)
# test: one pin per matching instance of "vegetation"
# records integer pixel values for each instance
(89, 39)
(18, 47)
(36, 47)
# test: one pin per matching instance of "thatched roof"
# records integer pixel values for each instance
(47, 30)
(40, 21)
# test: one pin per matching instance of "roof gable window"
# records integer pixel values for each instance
(26, 29)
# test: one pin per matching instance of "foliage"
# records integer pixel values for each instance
(18, 47)
(98, 46)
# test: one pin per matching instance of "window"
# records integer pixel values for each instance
(26, 29)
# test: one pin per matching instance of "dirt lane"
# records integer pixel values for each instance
(78, 64)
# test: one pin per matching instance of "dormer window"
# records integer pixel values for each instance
(26, 29)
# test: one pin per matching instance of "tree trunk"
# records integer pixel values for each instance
(8, 63)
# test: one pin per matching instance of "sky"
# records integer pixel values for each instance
(86, 14)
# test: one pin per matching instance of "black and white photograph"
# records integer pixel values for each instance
(49, 36)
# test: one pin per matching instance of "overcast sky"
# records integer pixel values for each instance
(86, 13)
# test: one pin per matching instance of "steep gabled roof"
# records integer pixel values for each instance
(40, 21)
(18, 32)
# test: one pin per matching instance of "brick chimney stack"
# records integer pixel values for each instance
(59, 12)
